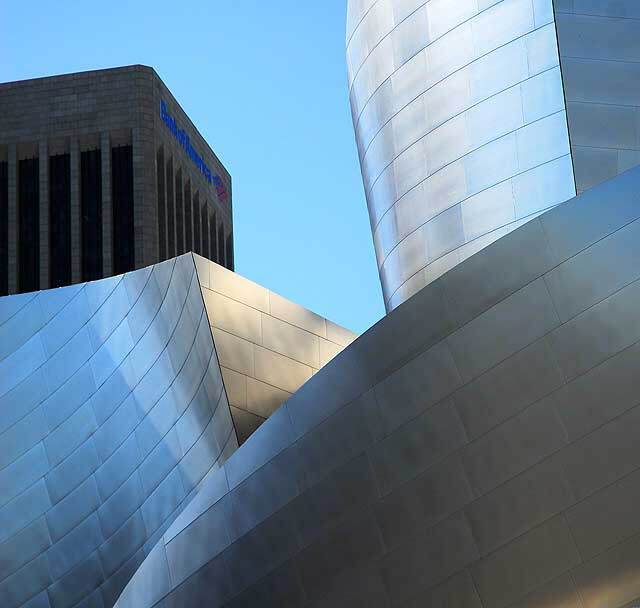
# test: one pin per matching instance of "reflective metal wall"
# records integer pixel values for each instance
(112, 412)
(487, 458)
(460, 121)
(600, 56)
(268, 346)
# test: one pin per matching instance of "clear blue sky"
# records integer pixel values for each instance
(265, 83)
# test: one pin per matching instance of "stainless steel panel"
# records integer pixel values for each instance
(23, 472)
(505, 575)
(22, 436)
(21, 326)
(519, 505)
(579, 403)
(118, 467)
(400, 401)
(429, 558)
(67, 437)
(559, 592)
(69, 397)
(513, 447)
(210, 585)
(512, 324)
(24, 546)
(598, 333)
(622, 563)
(593, 533)
(66, 322)
(507, 389)
(163, 501)
(264, 492)
(418, 445)
(160, 461)
(73, 509)
(341, 549)
(346, 490)
(446, 523)
(75, 462)
(583, 460)
(282, 588)
(25, 583)
(73, 470)
(423, 501)
(192, 548)
(437, 89)
(22, 399)
(22, 510)
(599, 52)
(350, 431)
(75, 546)
(123, 544)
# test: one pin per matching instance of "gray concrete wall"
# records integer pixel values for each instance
(112, 412)
(99, 109)
(475, 448)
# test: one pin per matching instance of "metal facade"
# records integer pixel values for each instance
(459, 113)
(268, 346)
(600, 57)
(484, 459)
(117, 397)
(112, 411)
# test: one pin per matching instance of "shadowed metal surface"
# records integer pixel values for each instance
(268, 346)
(600, 56)
(460, 121)
(112, 411)
(462, 452)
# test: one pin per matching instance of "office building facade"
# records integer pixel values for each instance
(474, 117)
(102, 173)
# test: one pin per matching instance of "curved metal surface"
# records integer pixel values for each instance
(600, 57)
(460, 121)
(112, 411)
(453, 454)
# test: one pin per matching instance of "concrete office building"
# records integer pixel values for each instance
(102, 173)
(469, 121)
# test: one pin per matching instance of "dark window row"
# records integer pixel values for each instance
(4, 229)
(91, 214)
(60, 238)
(183, 223)
(122, 201)
(29, 224)
(60, 220)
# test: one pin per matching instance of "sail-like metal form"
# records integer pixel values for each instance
(117, 398)
(112, 411)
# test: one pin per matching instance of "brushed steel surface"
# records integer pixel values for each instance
(113, 412)
(468, 458)
(459, 114)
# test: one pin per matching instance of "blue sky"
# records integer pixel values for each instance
(265, 83)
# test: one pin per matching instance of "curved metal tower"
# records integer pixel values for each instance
(460, 113)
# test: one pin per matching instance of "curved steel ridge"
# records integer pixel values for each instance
(451, 453)
(112, 410)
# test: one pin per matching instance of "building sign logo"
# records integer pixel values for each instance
(185, 142)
